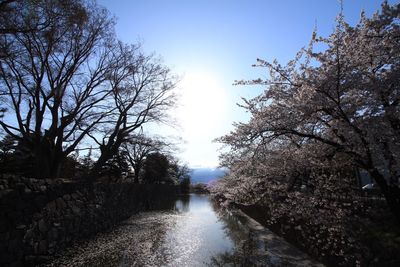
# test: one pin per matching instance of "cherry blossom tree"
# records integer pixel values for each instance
(342, 101)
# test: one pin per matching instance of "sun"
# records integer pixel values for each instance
(202, 103)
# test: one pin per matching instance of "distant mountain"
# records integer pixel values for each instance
(205, 175)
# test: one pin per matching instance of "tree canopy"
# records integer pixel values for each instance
(65, 79)
(343, 100)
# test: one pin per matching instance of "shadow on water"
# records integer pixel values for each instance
(239, 234)
(255, 245)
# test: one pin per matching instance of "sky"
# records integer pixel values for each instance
(212, 43)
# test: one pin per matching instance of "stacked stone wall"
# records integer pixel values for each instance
(40, 217)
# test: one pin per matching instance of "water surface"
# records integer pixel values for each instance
(192, 232)
(198, 234)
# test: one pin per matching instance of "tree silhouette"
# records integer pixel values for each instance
(67, 79)
(156, 168)
(137, 148)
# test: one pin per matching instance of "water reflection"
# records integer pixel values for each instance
(191, 232)
(197, 236)
(182, 203)
(205, 235)
(255, 245)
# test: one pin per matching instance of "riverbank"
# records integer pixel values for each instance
(271, 249)
(375, 240)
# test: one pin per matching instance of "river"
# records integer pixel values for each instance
(192, 233)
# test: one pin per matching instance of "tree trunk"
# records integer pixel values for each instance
(42, 163)
(48, 165)
(390, 192)
(106, 154)
(97, 167)
(136, 169)
(136, 177)
(55, 167)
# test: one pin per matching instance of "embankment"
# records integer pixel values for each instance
(369, 245)
(40, 217)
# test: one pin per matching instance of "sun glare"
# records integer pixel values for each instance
(201, 104)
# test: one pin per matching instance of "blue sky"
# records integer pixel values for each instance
(212, 43)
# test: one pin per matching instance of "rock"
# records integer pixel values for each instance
(19, 204)
(42, 259)
(40, 201)
(30, 259)
(52, 206)
(51, 249)
(42, 249)
(37, 216)
(20, 187)
(60, 203)
(15, 215)
(14, 245)
(29, 234)
(53, 234)
(67, 197)
(3, 225)
(43, 226)
(20, 227)
(75, 196)
(52, 244)
(4, 237)
(76, 210)
(36, 248)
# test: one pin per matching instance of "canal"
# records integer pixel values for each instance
(194, 232)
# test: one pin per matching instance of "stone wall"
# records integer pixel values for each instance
(40, 217)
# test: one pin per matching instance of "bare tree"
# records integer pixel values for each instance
(142, 92)
(137, 148)
(53, 76)
(13, 14)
